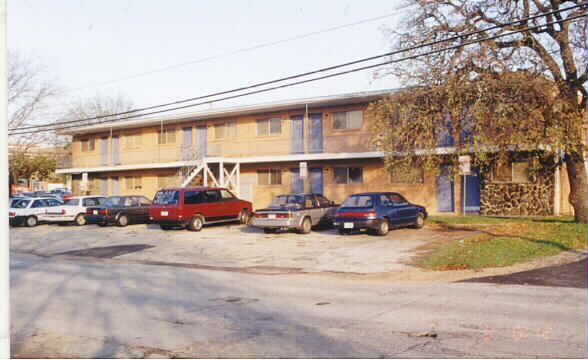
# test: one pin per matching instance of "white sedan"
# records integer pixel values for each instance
(29, 211)
(72, 210)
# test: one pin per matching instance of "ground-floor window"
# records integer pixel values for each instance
(348, 175)
(133, 183)
(269, 177)
(512, 172)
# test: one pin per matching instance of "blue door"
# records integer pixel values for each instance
(201, 133)
(445, 191)
(186, 143)
(472, 191)
(316, 180)
(316, 133)
(297, 136)
(296, 182)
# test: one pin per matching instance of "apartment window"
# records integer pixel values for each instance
(348, 120)
(348, 175)
(88, 144)
(514, 172)
(165, 181)
(133, 140)
(413, 175)
(167, 136)
(269, 177)
(133, 183)
(225, 130)
(271, 126)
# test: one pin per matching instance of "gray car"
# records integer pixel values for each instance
(295, 211)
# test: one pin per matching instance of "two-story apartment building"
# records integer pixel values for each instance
(317, 144)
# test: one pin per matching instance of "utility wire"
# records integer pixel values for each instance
(308, 80)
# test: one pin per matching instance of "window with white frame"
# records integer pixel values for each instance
(225, 130)
(348, 120)
(167, 136)
(348, 175)
(512, 172)
(88, 144)
(133, 182)
(269, 177)
(267, 127)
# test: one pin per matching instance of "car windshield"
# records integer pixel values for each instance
(166, 197)
(113, 201)
(283, 200)
(72, 202)
(358, 201)
(22, 204)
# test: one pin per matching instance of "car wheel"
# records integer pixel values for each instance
(196, 223)
(80, 220)
(32, 221)
(244, 216)
(383, 227)
(165, 227)
(420, 221)
(122, 221)
(305, 226)
(102, 224)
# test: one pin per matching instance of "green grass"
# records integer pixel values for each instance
(520, 240)
(494, 219)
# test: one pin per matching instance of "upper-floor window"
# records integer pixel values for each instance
(413, 175)
(133, 183)
(348, 175)
(348, 120)
(514, 172)
(269, 177)
(224, 130)
(88, 144)
(167, 136)
(271, 126)
(133, 140)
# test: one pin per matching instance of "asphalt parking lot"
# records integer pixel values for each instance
(233, 247)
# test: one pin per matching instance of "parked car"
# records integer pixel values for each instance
(13, 199)
(120, 210)
(29, 211)
(195, 207)
(295, 211)
(378, 212)
(73, 210)
(63, 193)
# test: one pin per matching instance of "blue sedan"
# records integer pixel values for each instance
(378, 212)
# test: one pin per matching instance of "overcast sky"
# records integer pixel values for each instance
(108, 46)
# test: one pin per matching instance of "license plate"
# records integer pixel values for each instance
(95, 212)
(348, 225)
(271, 216)
(164, 213)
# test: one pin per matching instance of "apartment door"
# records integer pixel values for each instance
(186, 143)
(297, 135)
(316, 180)
(104, 186)
(115, 186)
(316, 133)
(296, 182)
(472, 191)
(104, 151)
(115, 151)
(445, 196)
(201, 136)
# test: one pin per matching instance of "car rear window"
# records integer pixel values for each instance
(358, 201)
(166, 197)
(287, 200)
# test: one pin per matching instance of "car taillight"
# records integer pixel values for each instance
(89, 211)
(11, 214)
(367, 214)
(260, 215)
(283, 216)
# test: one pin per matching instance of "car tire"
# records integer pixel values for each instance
(269, 231)
(244, 216)
(102, 224)
(80, 220)
(122, 221)
(383, 227)
(305, 226)
(165, 227)
(31, 221)
(420, 221)
(196, 223)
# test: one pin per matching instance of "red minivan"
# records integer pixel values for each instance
(194, 207)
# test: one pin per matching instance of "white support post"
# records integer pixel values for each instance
(221, 168)
(205, 174)
(212, 176)
(238, 184)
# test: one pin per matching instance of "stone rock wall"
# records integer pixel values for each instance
(508, 199)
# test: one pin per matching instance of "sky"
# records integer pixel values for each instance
(119, 47)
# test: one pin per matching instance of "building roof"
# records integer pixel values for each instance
(285, 105)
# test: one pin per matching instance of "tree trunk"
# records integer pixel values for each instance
(577, 176)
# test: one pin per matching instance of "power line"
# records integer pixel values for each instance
(238, 51)
(309, 80)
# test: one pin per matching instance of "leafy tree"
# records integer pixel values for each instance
(26, 166)
(521, 92)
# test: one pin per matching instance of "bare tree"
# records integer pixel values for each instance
(553, 50)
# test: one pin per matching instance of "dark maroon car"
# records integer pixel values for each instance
(194, 207)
